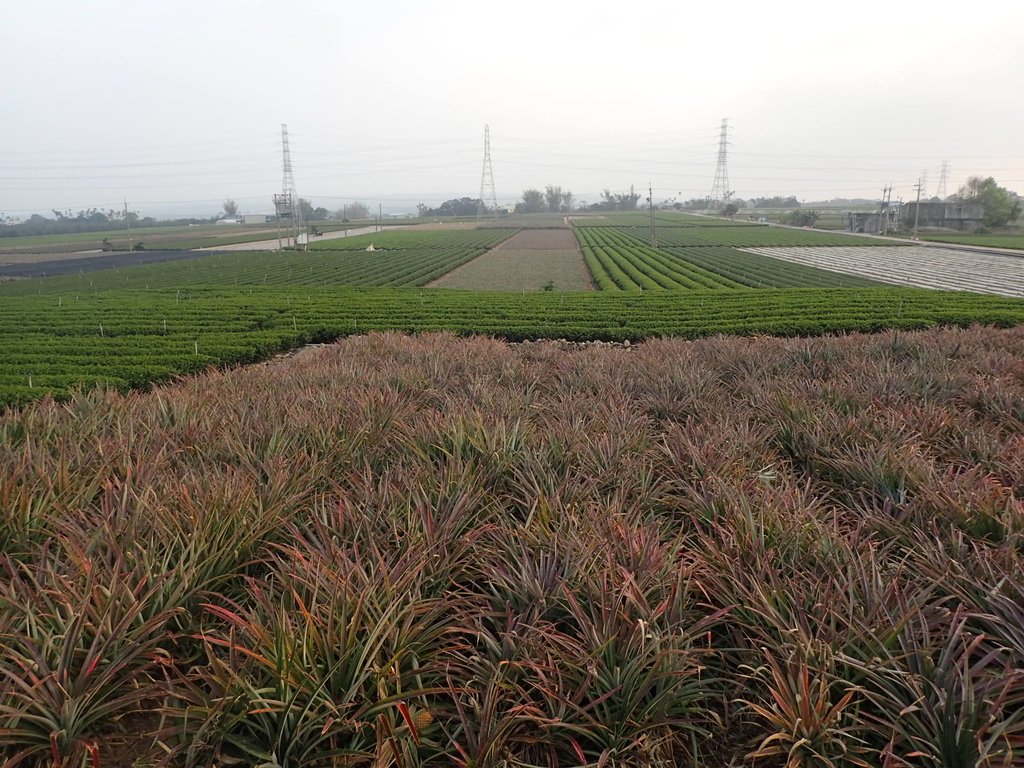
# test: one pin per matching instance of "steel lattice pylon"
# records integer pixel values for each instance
(943, 177)
(488, 197)
(286, 204)
(720, 191)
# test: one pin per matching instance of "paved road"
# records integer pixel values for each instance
(271, 245)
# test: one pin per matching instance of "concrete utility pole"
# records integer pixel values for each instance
(128, 221)
(650, 202)
(883, 210)
(917, 206)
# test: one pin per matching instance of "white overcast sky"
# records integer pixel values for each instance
(176, 105)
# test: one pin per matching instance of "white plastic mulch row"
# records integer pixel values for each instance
(919, 266)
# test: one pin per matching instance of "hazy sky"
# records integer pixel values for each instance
(176, 105)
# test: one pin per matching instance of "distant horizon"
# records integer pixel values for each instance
(169, 213)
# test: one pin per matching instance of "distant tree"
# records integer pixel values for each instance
(627, 202)
(568, 200)
(800, 218)
(553, 198)
(731, 210)
(356, 210)
(306, 209)
(230, 208)
(776, 201)
(534, 201)
(458, 206)
(1001, 205)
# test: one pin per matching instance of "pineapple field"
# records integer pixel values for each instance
(433, 550)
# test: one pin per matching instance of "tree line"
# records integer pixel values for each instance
(88, 220)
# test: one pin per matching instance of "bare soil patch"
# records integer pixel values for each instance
(540, 240)
(530, 260)
(442, 225)
(505, 270)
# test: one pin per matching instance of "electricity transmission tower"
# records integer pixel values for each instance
(943, 177)
(286, 204)
(488, 197)
(720, 188)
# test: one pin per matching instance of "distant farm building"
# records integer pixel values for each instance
(963, 217)
(254, 218)
(871, 221)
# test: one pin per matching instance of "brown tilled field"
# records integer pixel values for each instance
(528, 261)
(436, 226)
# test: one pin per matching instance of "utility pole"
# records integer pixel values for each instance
(917, 206)
(882, 211)
(278, 218)
(128, 221)
(885, 211)
(650, 202)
